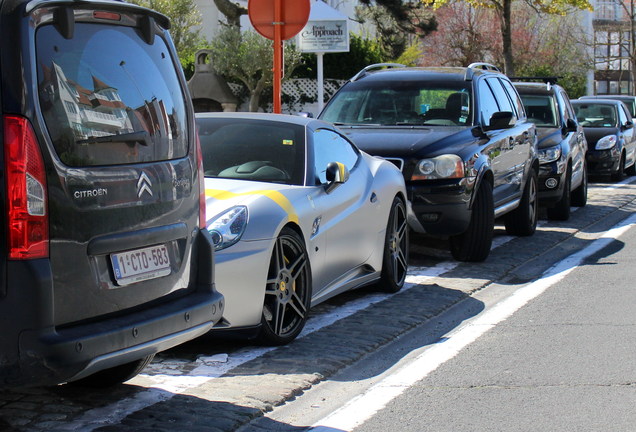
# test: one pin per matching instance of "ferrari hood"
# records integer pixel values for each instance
(222, 194)
(406, 141)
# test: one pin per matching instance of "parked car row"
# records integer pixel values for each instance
(127, 232)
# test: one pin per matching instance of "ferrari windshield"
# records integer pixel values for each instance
(399, 103)
(251, 149)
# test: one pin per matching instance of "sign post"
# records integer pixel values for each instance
(278, 20)
(326, 31)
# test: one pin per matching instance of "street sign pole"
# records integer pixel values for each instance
(278, 20)
(278, 54)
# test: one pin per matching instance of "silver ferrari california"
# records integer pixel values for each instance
(298, 214)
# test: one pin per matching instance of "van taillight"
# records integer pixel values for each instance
(202, 220)
(28, 225)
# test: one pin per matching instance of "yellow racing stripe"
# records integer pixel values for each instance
(275, 196)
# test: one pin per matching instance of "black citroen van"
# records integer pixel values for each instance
(103, 259)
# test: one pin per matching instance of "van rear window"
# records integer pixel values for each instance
(109, 98)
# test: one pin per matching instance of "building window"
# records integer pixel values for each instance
(70, 107)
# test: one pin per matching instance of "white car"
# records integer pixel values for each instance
(298, 214)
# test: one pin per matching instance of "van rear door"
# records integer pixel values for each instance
(117, 140)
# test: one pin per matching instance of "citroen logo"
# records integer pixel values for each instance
(144, 185)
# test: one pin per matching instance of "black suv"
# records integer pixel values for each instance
(104, 257)
(562, 147)
(462, 140)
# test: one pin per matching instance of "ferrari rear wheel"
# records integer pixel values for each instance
(287, 290)
(396, 249)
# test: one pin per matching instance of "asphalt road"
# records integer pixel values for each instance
(563, 362)
(511, 375)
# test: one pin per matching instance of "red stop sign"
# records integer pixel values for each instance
(294, 14)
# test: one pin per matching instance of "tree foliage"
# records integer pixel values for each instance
(547, 44)
(185, 20)
(247, 57)
(398, 23)
(231, 10)
(627, 14)
(503, 10)
(465, 35)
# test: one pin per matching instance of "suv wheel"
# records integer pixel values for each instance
(523, 220)
(561, 210)
(474, 244)
(618, 175)
(579, 195)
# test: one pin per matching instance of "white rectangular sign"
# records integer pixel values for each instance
(324, 36)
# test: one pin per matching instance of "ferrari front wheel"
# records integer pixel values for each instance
(287, 290)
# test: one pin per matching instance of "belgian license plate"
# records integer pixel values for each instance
(140, 264)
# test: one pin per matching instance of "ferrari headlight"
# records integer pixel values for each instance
(549, 154)
(607, 142)
(440, 167)
(227, 228)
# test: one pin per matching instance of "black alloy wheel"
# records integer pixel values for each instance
(396, 249)
(579, 195)
(474, 244)
(287, 290)
(561, 210)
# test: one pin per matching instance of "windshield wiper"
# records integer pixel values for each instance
(141, 137)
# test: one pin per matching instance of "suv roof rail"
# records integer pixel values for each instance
(545, 79)
(548, 80)
(470, 70)
(375, 66)
(484, 66)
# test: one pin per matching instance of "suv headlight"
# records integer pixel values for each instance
(227, 228)
(549, 154)
(440, 167)
(605, 143)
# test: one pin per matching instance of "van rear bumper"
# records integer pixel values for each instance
(51, 356)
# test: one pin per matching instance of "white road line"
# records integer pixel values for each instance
(363, 407)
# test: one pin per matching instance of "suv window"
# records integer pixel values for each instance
(541, 109)
(623, 115)
(488, 102)
(568, 111)
(97, 110)
(515, 97)
(331, 147)
(502, 97)
(401, 102)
